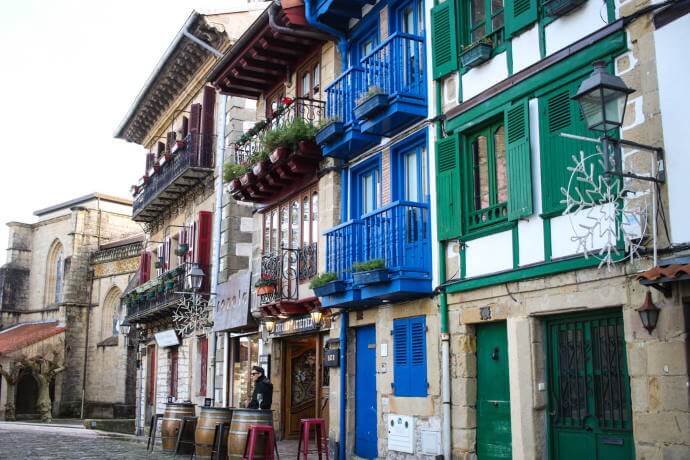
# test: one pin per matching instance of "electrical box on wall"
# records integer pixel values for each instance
(401, 433)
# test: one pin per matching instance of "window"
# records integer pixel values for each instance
(203, 364)
(173, 360)
(488, 180)
(412, 176)
(55, 273)
(292, 223)
(370, 185)
(485, 18)
(274, 100)
(409, 356)
(309, 84)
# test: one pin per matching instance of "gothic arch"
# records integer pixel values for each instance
(113, 312)
(55, 273)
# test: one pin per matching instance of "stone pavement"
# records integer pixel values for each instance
(68, 441)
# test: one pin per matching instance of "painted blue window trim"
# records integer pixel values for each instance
(410, 357)
(356, 173)
(399, 149)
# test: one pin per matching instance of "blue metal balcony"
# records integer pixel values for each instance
(396, 68)
(395, 72)
(399, 234)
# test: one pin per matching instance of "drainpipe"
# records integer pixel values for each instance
(273, 10)
(217, 223)
(344, 319)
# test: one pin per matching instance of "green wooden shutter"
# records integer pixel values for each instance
(519, 161)
(444, 42)
(519, 14)
(448, 194)
(558, 113)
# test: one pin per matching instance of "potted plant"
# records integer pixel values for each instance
(326, 284)
(145, 178)
(369, 272)
(328, 129)
(371, 102)
(477, 53)
(265, 285)
(181, 249)
(556, 8)
(158, 263)
(169, 281)
(156, 165)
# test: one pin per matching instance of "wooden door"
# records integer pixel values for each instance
(300, 383)
(150, 381)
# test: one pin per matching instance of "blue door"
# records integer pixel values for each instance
(366, 438)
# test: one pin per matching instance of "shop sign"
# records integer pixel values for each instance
(167, 338)
(299, 325)
(232, 310)
(331, 357)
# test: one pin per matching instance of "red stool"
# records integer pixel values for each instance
(253, 437)
(305, 427)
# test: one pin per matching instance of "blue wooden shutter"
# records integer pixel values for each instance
(518, 161)
(448, 194)
(401, 357)
(519, 14)
(444, 43)
(409, 356)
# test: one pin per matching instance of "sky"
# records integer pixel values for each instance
(69, 71)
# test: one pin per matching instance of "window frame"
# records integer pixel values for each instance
(489, 32)
(275, 210)
(308, 67)
(399, 151)
(357, 173)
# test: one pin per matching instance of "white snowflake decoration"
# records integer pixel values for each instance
(193, 313)
(604, 213)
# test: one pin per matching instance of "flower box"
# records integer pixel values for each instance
(247, 178)
(309, 148)
(555, 8)
(329, 132)
(261, 168)
(371, 106)
(476, 55)
(330, 288)
(371, 276)
(279, 154)
(266, 289)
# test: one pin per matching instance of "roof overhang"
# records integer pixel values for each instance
(184, 57)
(264, 55)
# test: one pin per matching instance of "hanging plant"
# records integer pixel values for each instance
(182, 249)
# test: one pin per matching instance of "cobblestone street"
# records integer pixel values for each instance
(26, 441)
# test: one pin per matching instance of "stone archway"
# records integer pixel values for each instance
(26, 396)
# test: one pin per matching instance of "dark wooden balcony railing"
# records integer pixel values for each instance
(289, 267)
(310, 110)
(188, 165)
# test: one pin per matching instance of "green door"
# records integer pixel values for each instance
(493, 392)
(589, 388)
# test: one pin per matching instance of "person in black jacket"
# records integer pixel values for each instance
(262, 398)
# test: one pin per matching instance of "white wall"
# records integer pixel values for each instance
(489, 254)
(526, 48)
(671, 44)
(484, 76)
(568, 29)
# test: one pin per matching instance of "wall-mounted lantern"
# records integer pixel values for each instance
(649, 313)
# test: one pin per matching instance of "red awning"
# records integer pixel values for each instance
(22, 335)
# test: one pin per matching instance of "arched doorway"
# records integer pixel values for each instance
(27, 392)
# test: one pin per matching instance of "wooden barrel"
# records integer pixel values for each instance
(241, 420)
(172, 421)
(206, 427)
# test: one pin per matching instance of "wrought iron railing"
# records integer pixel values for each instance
(399, 233)
(196, 153)
(341, 94)
(289, 268)
(310, 110)
(397, 66)
(160, 292)
(116, 253)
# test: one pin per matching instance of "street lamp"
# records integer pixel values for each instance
(270, 325)
(649, 313)
(316, 317)
(195, 277)
(602, 98)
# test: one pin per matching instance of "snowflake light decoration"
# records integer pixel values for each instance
(603, 213)
(193, 313)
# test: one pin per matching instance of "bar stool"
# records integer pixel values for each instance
(153, 427)
(220, 442)
(185, 437)
(305, 427)
(252, 439)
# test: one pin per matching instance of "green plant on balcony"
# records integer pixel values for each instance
(181, 249)
(265, 285)
(322, 279)
(373, 264)
(326, 122)
(232, 171)
(476, 53)
(372, 91)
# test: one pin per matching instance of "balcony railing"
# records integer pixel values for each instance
(197, 153)
(399, 233)
(341, 94)
(289, 267)
(310, 110)
(396, 66)
(152, 297)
